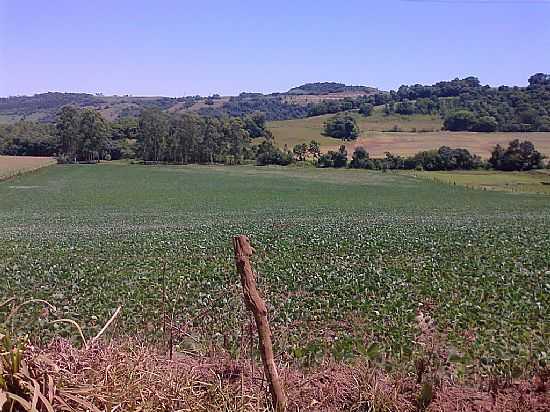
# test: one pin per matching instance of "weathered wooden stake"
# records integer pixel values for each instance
(257, 306)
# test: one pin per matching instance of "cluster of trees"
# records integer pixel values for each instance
(333, 158)
(518, 156)
(332, 106)
(159, 136)
(444, 158)
(409, 107)
(464, 104)
(465, 120)
(82, 134)
(303, 150)
(364, 104)
(189, 138)
(342, 126)
(26, 138)
(327, 88)
(274, 107)
(269, 154)
(467, 105)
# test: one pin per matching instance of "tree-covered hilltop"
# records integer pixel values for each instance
(467, 105)
(329, 87)
(274, 107)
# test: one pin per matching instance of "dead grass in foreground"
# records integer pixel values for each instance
(130, 376)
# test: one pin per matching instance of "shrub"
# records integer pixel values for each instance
(366, 109)
(342, 127)
(444, 158)
(485, 124)
(334, 159)
(360, 158)
(460, 120)
(269, 154)
(518, 156)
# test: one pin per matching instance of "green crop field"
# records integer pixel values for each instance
(346, 258)
(416, 133)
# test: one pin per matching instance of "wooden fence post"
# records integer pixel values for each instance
(256, 305)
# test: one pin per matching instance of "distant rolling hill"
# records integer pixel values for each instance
(292, 104)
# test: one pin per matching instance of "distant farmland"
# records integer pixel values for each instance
(417, 132)
(13, 165)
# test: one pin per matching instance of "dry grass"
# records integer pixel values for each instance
(535, 181)
(377, 142)
(410, 143)
(15, 165)
(130, 376)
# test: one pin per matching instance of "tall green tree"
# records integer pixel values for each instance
(238, 139)
(211, 141)
(152, 135)
(68, 131)
(93, 133)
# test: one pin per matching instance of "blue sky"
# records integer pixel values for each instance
(177, 48)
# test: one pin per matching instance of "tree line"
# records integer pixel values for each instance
(155, 136)
(518, 156)
(189, 138)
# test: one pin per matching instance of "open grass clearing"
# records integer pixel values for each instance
(536, 181)
(405, 143)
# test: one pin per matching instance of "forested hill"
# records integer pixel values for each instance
(276, 106)
(464, 104)
(330, 87)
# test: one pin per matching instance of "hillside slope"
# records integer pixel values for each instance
(415, 133)
(292, 104)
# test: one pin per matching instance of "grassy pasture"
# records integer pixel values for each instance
(406, 142)
(345, 257)
(14, 165)
(536, 181)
